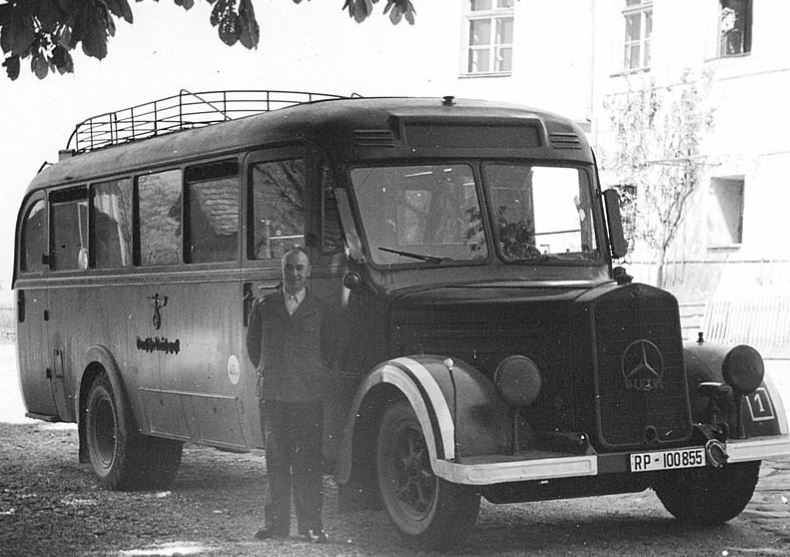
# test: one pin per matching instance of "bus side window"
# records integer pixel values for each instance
(213, 212)
(278, 207)
(111, 230)
(69, 213)
(34, 239)
(159, 217)
(332, 230)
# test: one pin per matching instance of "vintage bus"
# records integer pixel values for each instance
(488, 343)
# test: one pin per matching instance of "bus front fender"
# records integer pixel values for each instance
(458, 408)
(763, 409)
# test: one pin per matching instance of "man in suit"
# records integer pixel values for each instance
(288, 341)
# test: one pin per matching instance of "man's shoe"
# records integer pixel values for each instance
(267, 534)
(316, 535)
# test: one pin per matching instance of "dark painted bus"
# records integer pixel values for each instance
(488, 343)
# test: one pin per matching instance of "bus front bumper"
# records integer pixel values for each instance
(495, 470)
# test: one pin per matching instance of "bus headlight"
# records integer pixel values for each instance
(743, 369)
(518, 380)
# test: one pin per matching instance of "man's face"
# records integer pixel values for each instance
(296, 271)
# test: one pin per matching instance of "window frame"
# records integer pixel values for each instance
(746, 41)
(715, 242)
(187, 217)
(42, 265)
(642, 8)
(248, 203)
(63, 195)
(130, 181)
(137, 226)
(493, 15)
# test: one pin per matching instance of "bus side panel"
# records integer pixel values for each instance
(193, 376)
(190, 378)
(33, 351)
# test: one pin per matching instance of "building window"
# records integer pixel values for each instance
(725, 215)
(489, 27)
(638, 16)
(735, 27)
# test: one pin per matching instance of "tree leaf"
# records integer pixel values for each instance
(63, 36)
(396, 15)
(359, 9)
(400, 9)
(12, 67)
(5, 38)
(62, 60)
(93, 22)
(22, 33)
(229, 29)
(250, 32)
(39, 66)
(219, 11)
(5, 14)
(121, 8)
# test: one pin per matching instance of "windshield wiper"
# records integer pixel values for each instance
(420, 256)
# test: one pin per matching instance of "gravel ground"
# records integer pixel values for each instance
(51, 505)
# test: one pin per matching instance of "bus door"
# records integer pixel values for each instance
(68, 258)
(189, 337)
(275, 208)
(41, 390)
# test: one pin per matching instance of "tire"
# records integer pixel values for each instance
(122, 459)
(429, 512)
(708, 496)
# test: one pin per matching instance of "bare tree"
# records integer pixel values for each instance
(654, 157)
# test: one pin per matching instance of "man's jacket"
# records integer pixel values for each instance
(290, 352)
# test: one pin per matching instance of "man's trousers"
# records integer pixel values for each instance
(294, 439)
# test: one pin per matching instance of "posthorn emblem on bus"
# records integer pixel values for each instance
(643, 366)
(158, 302)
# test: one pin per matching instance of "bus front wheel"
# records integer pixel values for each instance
(429, 512)
(123, 459)
(708, 496)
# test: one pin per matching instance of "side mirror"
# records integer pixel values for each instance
(611, 202)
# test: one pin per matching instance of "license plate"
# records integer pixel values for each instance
(668, 460)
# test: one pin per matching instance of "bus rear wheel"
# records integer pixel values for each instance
(122, 459)
(429, 512)
(708, 496)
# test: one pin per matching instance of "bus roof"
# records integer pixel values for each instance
(348, 129)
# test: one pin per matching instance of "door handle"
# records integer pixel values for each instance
(248, 298)
(20, 306)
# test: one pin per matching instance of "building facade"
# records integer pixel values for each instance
(729, 264)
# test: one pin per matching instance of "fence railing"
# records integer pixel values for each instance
(762, 322)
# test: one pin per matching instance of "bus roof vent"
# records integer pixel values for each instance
(184, 111)
(374, 138)
(565, 140)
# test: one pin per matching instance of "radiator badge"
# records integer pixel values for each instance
(642, 366)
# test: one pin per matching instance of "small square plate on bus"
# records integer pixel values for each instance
(668, 460)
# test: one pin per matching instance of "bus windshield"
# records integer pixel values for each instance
(433, 214)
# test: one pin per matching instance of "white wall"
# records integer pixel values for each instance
(749, 137)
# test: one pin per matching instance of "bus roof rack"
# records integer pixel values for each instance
(184, 111)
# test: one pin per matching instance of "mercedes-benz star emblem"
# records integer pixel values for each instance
(642, 366)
